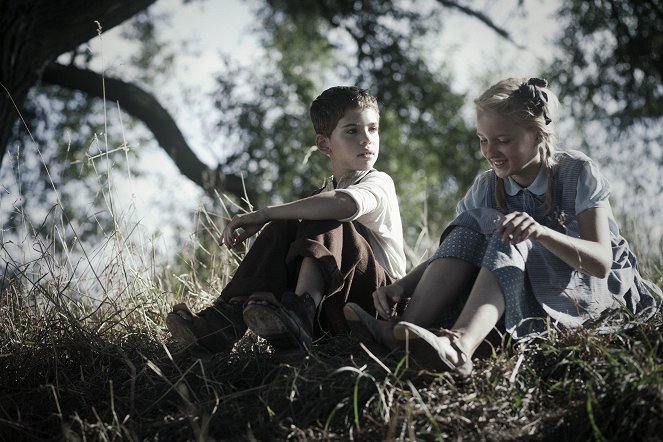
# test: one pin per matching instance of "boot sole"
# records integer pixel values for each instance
(273, 325)
(180, 329)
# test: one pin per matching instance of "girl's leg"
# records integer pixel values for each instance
(444, 280)
(437, 288)
(442, 283)
(448, 279)
(483, 309)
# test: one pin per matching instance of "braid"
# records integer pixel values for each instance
(529, 103)
(549, 163)
(500, 194)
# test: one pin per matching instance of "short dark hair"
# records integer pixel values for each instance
(332, 104)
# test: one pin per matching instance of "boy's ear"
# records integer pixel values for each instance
(323, 144)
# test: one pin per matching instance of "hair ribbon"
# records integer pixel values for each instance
(532, 93)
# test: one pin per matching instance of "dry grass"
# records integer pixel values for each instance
(73, 370)
(84, 355)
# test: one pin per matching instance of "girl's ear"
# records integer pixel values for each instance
(323, 144)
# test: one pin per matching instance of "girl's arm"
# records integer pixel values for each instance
(591, 253)
(325, 205)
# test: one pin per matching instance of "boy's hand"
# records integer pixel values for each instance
(384, 299)
(242, 227)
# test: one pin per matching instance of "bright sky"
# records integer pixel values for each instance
(212, 27)
(466, 45)
(161, 205)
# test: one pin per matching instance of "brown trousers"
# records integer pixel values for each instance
(342, 252)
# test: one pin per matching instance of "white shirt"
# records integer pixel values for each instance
(379, 212)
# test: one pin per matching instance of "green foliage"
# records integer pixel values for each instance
(60, 153)
(54, 166)
(155, 56)
(608, 69)
(611, 60)
(425, 144)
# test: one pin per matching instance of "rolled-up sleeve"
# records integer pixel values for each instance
(371, 196)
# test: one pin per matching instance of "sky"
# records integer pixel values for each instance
(164, 204)
(224, 27)
(158, 207)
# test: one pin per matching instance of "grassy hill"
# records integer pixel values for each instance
(76, 368)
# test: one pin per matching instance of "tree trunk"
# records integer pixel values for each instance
(33, 33)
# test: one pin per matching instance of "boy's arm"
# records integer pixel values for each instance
(325, 205)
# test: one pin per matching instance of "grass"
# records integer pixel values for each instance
(85, 356)
(77, 369)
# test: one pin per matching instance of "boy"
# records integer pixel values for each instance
(314, 254)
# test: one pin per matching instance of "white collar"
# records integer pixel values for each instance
(538, 186)
(346, 180)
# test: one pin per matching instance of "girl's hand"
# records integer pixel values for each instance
(384, 298)
(241, 227)
(517, 227)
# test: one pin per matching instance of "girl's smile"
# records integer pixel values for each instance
(510, 149)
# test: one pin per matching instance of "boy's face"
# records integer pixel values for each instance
(354, 143)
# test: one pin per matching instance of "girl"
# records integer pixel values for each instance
(534, 240)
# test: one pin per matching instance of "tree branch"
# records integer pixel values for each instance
(77, 21)
(145, 107)
(481, 17)
(34, 32)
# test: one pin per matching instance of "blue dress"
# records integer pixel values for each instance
(537, 284)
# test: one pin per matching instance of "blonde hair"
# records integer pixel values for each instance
(530, 104)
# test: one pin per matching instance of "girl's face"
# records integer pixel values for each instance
(510, 149)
